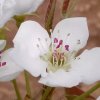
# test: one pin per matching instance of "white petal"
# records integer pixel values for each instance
(27, 7)
(32, 39)
(98, 98)
(35, 5)
(9, 71)
(5, 18)
(6, 11)
(34, 66)
(61, 79)
(73, 32)
(88, 65)
(2, 44)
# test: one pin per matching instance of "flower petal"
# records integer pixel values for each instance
(2, 44)
(61, 79)
(32, 39)
(6, 11)
(73, 32)
(35, 5)
(27, 7)
(34, 66)
(88, 65)
(10, 70)
(98, 98)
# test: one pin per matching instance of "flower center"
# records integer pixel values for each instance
(56, 57)
(2, 64)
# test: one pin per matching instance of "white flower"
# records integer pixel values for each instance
(9, 8)
(8, 69)
(55, 58)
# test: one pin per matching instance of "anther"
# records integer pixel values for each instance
(67, 47)
(4, 63)
(60, 42)
(55, 40)
(58, 46)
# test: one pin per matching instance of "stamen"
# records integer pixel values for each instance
(61, 59)
(55, 40)
(4, 63)
(67, 47)
(58, 46)
(61, 62)
(60, 42)
(54, 57)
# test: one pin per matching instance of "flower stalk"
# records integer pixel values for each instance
(19, 20)
(50, 15)
(2, 34)
(28, 89)
(16, 90)
(65, 7)
(87, 93)
(70, 8)
(47, 93)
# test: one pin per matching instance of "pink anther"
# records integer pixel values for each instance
(67, 47)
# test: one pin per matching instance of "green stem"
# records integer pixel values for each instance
(16, 90)
(65, 7)
(87, 93)
(2, 34)
(28, 89)
(50, 15)
(46, 93)
(71, 7)
(19, 20)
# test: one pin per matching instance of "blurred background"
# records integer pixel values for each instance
(85, 8)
